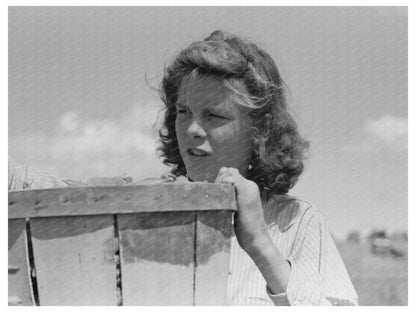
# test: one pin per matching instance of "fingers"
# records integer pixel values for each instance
(227, 175)
(228, 180)
(220, 174)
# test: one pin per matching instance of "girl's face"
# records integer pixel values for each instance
(211, 128)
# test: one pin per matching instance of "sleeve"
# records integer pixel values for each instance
(24, 177)
(318, 275)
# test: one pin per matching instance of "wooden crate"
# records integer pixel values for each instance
(161, 244)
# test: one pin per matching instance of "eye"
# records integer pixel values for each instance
(214, 115)
(182, 110)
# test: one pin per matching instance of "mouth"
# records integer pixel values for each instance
(196, 152)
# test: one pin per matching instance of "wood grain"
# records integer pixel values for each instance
(157, 258)
(19, 272)
(212, 257)
(164, 261)
(120, 199)
(74, 259)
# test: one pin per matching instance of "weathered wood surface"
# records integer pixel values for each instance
(120, 199)
(213, 238)
(174, 238)
(19, 276)
(74, 258)
(157, 258)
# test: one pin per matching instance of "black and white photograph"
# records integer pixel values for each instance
(207, 155)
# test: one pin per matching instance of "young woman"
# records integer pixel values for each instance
(227, 121)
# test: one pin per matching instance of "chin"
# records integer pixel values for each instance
(201, 177)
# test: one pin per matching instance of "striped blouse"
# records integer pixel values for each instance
(318, 275)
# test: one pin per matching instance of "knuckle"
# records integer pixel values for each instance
(233, 171)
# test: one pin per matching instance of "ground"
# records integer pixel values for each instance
(380, 280)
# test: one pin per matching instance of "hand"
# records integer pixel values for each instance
(251, 231)
(249, 224)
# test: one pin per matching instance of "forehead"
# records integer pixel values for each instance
(204, 90)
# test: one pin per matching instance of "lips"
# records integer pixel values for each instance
(197, 152)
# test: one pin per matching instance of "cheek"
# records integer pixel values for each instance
(233, 140)
(180, 130)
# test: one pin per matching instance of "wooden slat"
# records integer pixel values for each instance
(157, 258)
(19, 279)
(74, 258)
(120, 199)
(213, 236)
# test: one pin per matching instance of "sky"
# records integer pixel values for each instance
(82, 99)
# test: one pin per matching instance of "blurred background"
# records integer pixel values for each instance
(82, 104)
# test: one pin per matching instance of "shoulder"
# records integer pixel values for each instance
(290, 212)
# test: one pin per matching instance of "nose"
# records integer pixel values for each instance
(195, 130)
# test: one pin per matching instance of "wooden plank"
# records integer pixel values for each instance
(120, 199)
(74, 258)
(101, 181)
(157, 258)
(19, 277)
(213, 237)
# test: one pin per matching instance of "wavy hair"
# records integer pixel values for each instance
(250, 72)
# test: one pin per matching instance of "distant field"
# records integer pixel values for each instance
(378, 280)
